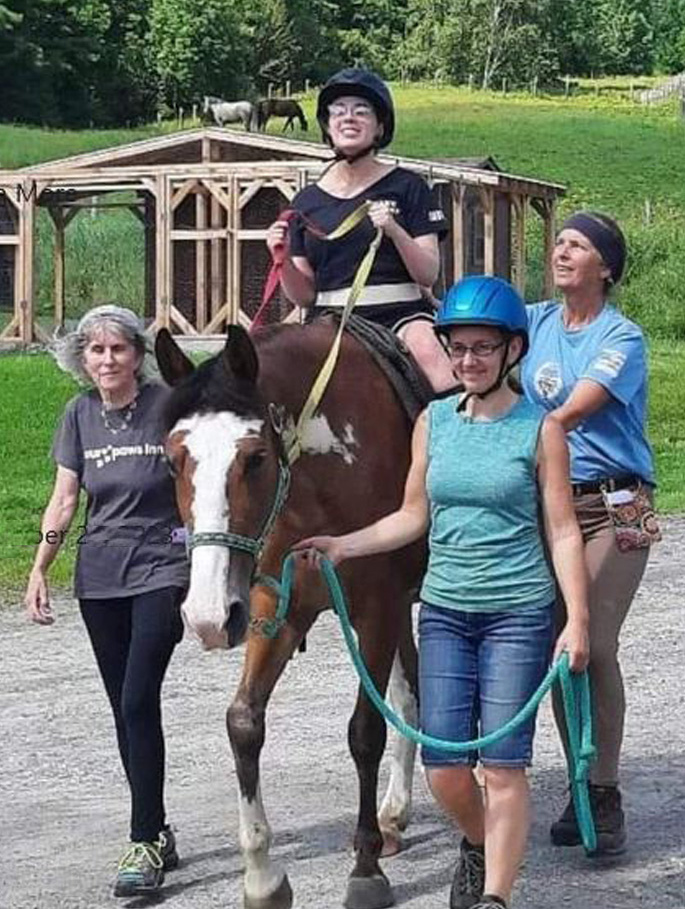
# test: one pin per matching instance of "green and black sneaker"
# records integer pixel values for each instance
(140, 871)
(166, 843)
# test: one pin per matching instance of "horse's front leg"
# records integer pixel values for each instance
(393, 816)
(368, 887)
(266, 885)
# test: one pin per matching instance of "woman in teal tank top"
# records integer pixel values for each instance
(485, 463)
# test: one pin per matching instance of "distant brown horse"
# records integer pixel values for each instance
(280, 107)
(225, 448)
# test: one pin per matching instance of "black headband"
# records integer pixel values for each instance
(607, 240)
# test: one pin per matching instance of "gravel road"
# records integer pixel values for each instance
(63, 802)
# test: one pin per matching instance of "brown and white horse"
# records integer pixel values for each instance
(224, 444)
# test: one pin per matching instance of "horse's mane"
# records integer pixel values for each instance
(211, 389)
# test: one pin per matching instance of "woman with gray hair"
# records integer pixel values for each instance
(130, 574)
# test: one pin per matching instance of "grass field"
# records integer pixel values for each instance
(612, 154)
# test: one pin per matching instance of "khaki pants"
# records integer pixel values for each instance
(614, 579)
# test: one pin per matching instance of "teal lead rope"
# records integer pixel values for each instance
(575, 688)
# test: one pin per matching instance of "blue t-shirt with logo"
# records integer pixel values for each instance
(610, 351)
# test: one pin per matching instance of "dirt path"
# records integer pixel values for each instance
(63, 805)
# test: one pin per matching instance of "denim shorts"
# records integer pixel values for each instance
(476, 671)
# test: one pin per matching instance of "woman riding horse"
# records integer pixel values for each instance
(356, 113)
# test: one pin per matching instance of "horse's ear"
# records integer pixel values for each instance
(172, 362)
(239, 355)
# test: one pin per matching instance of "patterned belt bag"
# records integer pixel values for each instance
(633, 517)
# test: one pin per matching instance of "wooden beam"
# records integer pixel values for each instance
(181, 321)
(9, 240)
(251, 191)
(221, 315)
(10, 330)
(184, 190)
(207, 233)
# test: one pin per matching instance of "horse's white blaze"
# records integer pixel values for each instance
(319, 438)
(394, 812)
(212, 442)
(262, 877)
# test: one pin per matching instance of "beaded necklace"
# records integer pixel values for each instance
(125, 415)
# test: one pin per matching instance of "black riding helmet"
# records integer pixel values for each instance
(360, 83)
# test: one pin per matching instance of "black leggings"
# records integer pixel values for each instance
(133, 639)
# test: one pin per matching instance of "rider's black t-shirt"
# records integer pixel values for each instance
(335, 262)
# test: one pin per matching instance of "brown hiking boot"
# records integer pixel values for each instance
(609, 819)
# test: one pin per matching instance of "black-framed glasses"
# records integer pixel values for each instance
(481, 349)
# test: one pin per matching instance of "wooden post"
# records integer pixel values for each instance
(567, 85)
(164, 280)
(287, 88)
(194, 112)
(470, 81)
(200, 261)
(306, 86)
(547, 210)
(58, 259)
(180, 118)
(535, 86)
(487, 198)
(519, 204)
(270, 90)
(504, 85)
(26, 248)
(215, 259)
(458, 231)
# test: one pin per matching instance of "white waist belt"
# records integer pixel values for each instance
(371, 295)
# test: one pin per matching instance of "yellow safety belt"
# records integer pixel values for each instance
(293, 436)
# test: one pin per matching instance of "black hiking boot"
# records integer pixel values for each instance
(607, 813)
(469, 877)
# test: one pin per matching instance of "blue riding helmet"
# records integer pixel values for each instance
(484, 300)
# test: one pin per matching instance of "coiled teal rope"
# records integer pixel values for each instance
(575, 689)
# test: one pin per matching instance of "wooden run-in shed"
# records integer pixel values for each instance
(205, 198)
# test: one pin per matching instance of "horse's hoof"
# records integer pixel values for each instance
(281, 898)
(368, 893)
(392, 842)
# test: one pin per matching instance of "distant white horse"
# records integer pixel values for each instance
(229, 111)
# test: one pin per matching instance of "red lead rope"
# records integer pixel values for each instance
(273, 279)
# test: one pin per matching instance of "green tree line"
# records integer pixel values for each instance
(111, 62)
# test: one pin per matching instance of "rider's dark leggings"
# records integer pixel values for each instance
(133, 639)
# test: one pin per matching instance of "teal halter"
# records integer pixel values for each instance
(252, 545)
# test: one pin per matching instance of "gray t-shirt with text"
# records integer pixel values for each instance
(127, 545)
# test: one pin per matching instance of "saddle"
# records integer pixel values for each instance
(392, 356)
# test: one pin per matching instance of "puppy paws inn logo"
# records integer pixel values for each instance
(110, 453)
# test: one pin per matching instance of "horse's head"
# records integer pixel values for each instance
(225, 456)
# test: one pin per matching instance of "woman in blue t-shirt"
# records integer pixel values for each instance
(587, 366)
(483, 464)
(356, 114)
